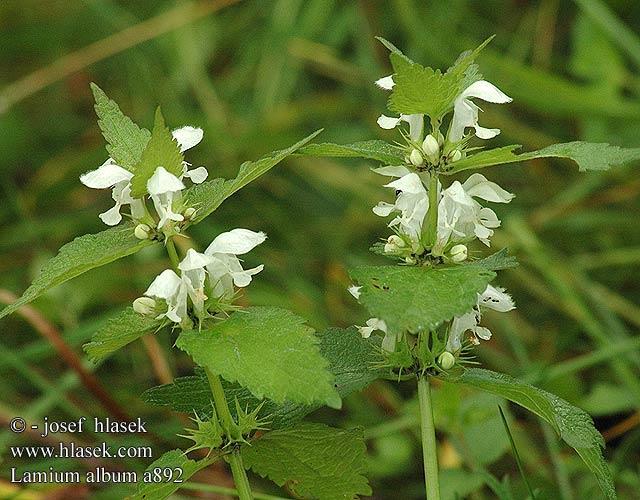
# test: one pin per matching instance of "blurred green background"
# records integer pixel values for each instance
(258, 76)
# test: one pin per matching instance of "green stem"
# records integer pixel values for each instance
(431, 231)
(429, 450)
(220, 402)
(173, 254)
(240, 476)
(230, 427)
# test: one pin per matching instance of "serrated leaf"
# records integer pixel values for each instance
(125, 140)
(312, 461)
(176, 465)
(161, 150)
(208, 196)
(268, 350)
(372, 150)
(79, 256)
(588, 156)
(350, 360)
(419, 298)
(423, 90)
(118, 332)
(573, 425)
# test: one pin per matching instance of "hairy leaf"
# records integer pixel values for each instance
(419, 298)
(350, 360)
(423, 90)
(373, 150)
(125, 140)
(118, 332)
(497, 261)
(162, 150)
(573, 425)
(79, 256)
(178, 467)
(208, 196)
(312, 461)
(268, 350)
(588, 156)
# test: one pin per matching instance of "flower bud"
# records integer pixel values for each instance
(458, 253)
(416, 158)
(431, 148)
(145, 306)
(142, 232)
(189, 212)
(394, 243)
(446, 360)
(455, 155)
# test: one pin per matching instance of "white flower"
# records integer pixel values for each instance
(164, 187)
(461, 218)
(193, 274)
(416, 124)
(373, 324)
(225, 269)
(492, 298)
(392, 171)
(110, 175)
(412, 202)
(173, 290)
(465, 111)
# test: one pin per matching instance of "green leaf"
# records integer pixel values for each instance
(118, 332)
(423, 90)
(588, 156)
(79, 256)
(573, 425)
(208, 196)
(162, 150)
(497, 261)
(419, 298)
(373, 150)
(125, 140)
(178, 467)
(350, 360)
(312, 461)
(268, 350)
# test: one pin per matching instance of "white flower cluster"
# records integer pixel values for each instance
(164, 188)
(461, 217)
(214, 272)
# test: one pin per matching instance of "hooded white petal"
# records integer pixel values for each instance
(162, 182)
(486, 91)
(386, 82)
(497, 299)
(465, 112)
(478, 186)
(188, 137)
(236, 241)
(106, 175)
(165, 285)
